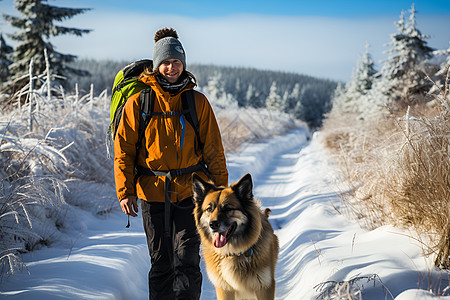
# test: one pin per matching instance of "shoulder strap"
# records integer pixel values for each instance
(188, 100)
(147, 100)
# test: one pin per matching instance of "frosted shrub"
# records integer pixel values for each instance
(42, 168)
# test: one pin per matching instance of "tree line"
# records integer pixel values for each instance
(303, 97)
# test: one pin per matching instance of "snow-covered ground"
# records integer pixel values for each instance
(322, 253)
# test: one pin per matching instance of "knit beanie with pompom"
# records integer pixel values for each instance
(167, 46)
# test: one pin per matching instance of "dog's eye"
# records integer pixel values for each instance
(209, 209)
(226, 207)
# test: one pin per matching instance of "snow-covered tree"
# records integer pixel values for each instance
(339, 99)
(286, 101)
(216, 92)
(292, 98)
(446, 63)
(240, 94)
(5, 61)
(362, 76)
(250, 94)
(36, 26)
(403, 72)
(274, 100)
(441, 75)
(215, 88)
(295, 93)
(349, 99)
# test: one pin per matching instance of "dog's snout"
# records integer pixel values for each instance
(214, 225)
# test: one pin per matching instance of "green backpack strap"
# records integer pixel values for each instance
(190, 113)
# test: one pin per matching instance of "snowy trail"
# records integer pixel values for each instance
(297, 180)
(104, 260)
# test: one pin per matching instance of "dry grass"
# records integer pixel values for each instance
(398, 166)
(234, 133)
(358, 147)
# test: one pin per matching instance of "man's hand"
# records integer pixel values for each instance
(129, 206)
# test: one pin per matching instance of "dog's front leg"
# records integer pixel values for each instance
(224, 295)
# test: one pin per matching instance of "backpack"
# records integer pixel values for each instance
(125, 85)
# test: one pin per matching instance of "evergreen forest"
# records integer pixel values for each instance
(303, 97)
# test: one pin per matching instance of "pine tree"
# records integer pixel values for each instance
(363, 76)
(215, 88)
(252, 95)
(350, 99)
(240, 94)
(216, 92)
(291, 98)
(295, 93)
(445, 65)
(5, 53)
(441, 75)
(402, 73)
(274, 100)
(249, 95)
(36, 26)
(339, 99)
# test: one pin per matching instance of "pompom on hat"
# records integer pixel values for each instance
(167, 46)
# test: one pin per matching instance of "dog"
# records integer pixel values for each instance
(239, 246)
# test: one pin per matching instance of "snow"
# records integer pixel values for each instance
(322, 252)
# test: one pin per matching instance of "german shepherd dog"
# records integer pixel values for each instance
(239, 246)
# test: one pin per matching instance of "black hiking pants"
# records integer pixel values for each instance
(175, 262)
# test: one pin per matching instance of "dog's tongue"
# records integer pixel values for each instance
(219, 240)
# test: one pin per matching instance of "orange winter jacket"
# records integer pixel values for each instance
(161, 148)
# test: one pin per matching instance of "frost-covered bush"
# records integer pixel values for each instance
(47, 152)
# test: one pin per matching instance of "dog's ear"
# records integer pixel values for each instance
(244, 188)
(200, 188)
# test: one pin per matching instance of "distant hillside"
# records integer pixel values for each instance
(305, 97)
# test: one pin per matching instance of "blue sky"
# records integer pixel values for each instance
(324, 8)
(319, 38)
